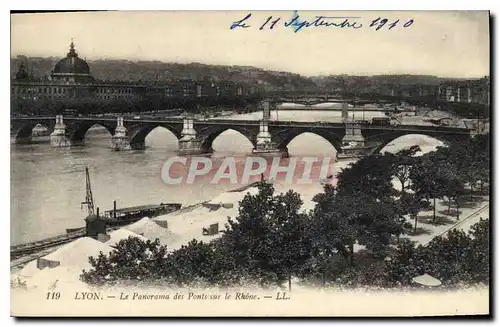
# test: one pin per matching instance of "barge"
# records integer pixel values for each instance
(110, 220)
(126, 216)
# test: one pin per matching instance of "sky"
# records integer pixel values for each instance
(441, 43)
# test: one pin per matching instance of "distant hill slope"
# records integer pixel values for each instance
(157, 70)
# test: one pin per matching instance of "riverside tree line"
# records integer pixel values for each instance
(354, 236)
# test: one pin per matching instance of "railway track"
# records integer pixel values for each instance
(17, 251)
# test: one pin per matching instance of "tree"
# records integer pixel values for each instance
(424, 177)
(402, 266)
(455, 258)
(401, 164)
(131, 260)
(464, 156)
(192, 264)
(451, 183)
(481, 146)
(479, 250)
(289, 234)
(378, 222)
(446, 257)
(244, 238)
(268, 240)
(369, 175)
(332, 231)
(341, 220)
(413, 204)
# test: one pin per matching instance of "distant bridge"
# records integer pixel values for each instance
(335, 108)
(197, 136)
(314, 99)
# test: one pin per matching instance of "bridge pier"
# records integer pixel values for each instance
(270, 150)
(264, 144)
(190, 143)
(353, 143)
(59, 138)
(120, 141)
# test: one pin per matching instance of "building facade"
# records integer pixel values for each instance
(71, 79)
(470, 91)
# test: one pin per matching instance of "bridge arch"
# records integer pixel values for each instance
(79, 132)
(283, 138)
(24, 131)
(386, 139)
(138, 133)
(211, 133)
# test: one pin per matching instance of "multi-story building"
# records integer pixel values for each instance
(71, 79)
(469, 91)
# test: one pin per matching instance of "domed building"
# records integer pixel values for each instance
(72, 69)
(22, 74)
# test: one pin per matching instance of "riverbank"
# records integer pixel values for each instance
(185, 225)
(178, 228)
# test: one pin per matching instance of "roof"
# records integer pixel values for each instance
(72, 64)
(426, 280)
(94, 217)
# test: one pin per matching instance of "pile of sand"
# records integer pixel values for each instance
(74, 256)
(151, 230)
(58, 278)
(122, 234)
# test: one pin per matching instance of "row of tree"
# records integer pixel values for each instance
(346, 239)
(90, 106)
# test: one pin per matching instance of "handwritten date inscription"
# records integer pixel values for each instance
(297, 24)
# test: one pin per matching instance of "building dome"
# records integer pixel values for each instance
(72, 64)
(22, 74)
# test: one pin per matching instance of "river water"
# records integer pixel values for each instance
(48, 184)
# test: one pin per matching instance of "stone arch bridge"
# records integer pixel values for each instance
(197, 136)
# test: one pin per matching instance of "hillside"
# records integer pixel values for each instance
(160, 71)
(269, 80)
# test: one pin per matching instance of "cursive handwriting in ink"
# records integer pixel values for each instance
(319, 21)
(379, 23)
(323, 21)
(273, 23)
(241, 23)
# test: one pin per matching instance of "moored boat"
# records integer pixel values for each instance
(73, 230)
(138, 212)
(123, 216)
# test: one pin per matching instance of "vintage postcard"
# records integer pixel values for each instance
(250, 163)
